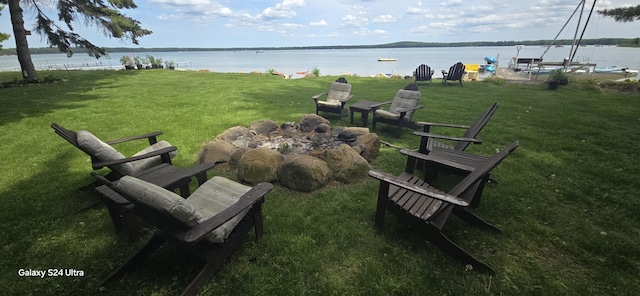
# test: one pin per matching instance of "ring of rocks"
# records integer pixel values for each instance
(303, 156)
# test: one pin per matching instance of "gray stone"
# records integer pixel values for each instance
(264, 126)
(322, 128)
(216, 152)
(304, 172)
(259, 165)
(346, 164)
(352, 132)
(371, 144)
(310, 122)
(237, 134)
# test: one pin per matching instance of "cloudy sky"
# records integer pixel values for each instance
(257, 23)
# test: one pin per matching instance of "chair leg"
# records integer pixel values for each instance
(383, 191)
(258, 224)
(153, 244)
(475, 220)
(444, 243)
(204, 276)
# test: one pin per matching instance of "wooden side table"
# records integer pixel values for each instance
(363, 107)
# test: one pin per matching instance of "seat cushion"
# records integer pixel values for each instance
(161, 199)
(208, 200)
(332, 103)
(214, 196)
(386, 114)
(146, 163)
(338, 93)
(102, 151)
(404, 99)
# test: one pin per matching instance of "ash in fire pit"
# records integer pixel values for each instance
(302, 156)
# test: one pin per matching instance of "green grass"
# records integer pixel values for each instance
(566, 200)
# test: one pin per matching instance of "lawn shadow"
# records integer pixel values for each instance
(19, 103)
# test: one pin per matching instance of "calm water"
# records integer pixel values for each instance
(363, 62)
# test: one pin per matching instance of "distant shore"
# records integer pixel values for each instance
(626, 42)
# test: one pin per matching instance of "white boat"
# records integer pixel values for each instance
(387, 59)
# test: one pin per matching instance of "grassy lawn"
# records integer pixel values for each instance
(567, 200)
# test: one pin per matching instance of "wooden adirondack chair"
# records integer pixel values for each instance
(451, 161)
(423, 73)
(429, 208)
(455, 73)
(401, 111)
(337, 97)
(104, 155)
(211, 223)
(152, 164)
(429, 140)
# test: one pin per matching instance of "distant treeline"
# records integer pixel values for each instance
(403, 44)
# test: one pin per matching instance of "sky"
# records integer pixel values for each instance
(283, 23)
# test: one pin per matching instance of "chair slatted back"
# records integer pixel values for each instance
(476, 127)
(71, 137)
(466, 188)
(456, 71)
(423, 73)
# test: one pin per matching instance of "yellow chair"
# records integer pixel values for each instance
(472, 71)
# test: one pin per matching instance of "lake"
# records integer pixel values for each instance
(363, 62)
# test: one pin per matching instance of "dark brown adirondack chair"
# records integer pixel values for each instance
(104, 155)
(152, 164)
(429, 208)
(455, 73)
(401, 111)
(423, 73)
(337, 96)
(429, 140)
(210, 224)
(451, 161)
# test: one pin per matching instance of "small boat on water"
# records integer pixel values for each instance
(387, 59)
(610, 69)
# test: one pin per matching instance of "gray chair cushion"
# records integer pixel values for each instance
(161, 199)
(146, 163)
(338, 93)
(102, 151)
(208, 200)
(404, 99)
(212, 197)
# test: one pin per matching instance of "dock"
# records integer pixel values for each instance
(511, 76)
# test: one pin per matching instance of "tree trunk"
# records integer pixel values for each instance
(22, 47)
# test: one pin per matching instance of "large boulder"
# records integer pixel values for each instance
(310, 122)
(239, 136)
(259, 165)
(264, 126)
(216, 152)
(304, 172)
(352, 132)
(346, 164)
(371, 144)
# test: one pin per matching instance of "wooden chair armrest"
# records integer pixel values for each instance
(199, 171)
(457, 139)
(318, 96)
(422, 123)
(247, 200)
(404, 110)
(165, 150)
(391, 179)
(437, 159)
(378, 105)
(149, 136)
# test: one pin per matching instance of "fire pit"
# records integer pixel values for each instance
(303, 156)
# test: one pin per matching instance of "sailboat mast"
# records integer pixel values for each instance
(575, 35)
